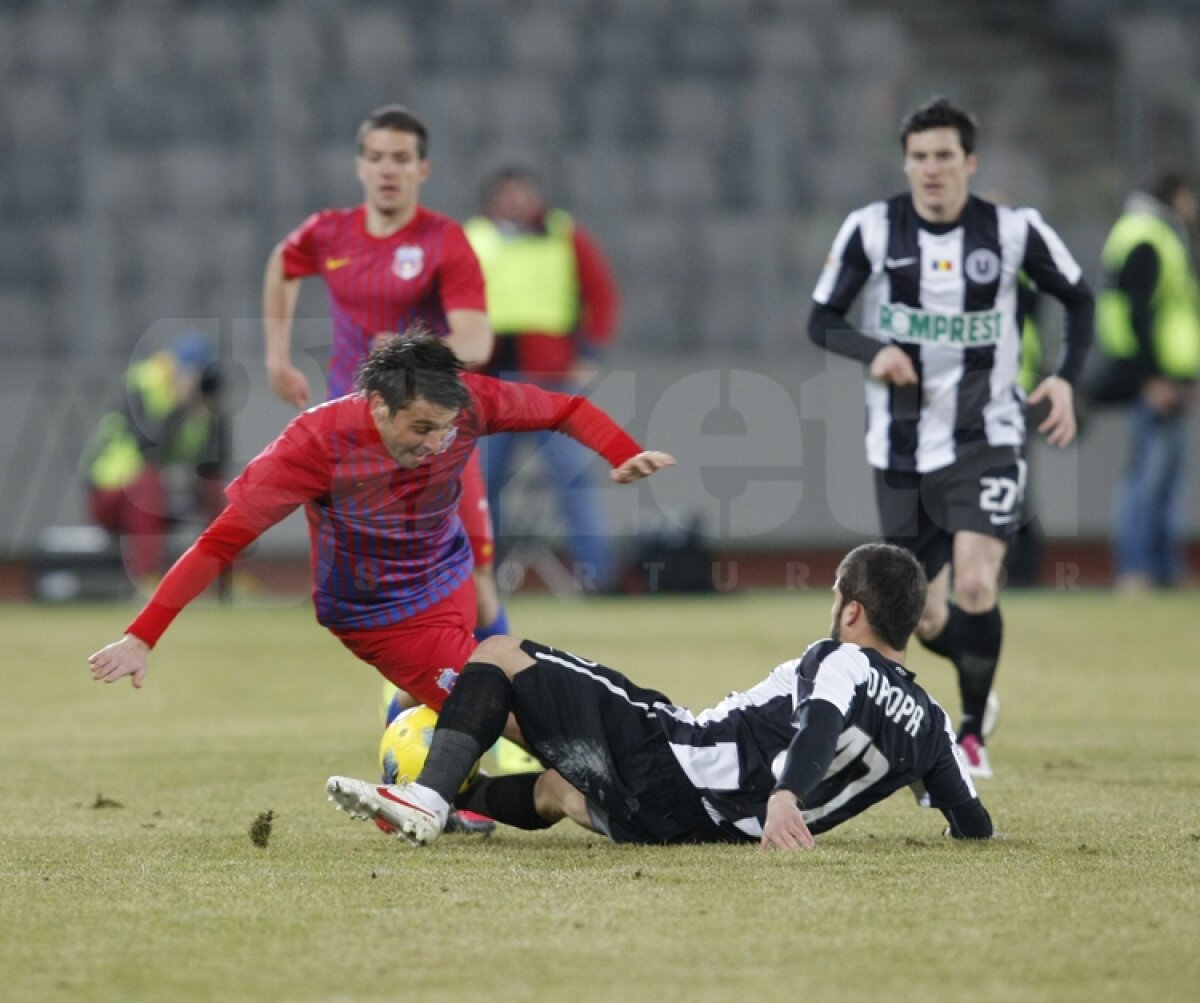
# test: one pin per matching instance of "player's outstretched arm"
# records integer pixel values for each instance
(279, 307)
(1059, 426)
(784, 828)
(642, 465)
(126, 657)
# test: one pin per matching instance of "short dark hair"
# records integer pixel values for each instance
(891, 586)
(512, 172)
(939, 113)
(1166, 181)
(404, 367)
(397, 118)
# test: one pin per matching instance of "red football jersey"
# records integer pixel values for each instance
(378, 284)
(386, 541)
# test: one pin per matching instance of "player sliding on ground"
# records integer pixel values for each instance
(822, 738)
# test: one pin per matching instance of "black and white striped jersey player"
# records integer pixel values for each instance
(937, 273)
(946, 294)
(819, 740)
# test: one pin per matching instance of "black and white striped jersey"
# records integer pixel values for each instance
(948, 295)
(894, 735)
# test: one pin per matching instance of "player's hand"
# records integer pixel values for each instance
(126, 657)
(290, 385)
(642, 465)
(784, 828)
(1059, 426)
(892, 365)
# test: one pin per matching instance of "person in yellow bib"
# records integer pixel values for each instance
(1148, 327)
(553, 304)
(167, 419)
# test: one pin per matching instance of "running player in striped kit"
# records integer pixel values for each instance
(821, 739)
(388, 264)
(937, 270)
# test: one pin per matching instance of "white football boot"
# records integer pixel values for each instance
(413, 812)
(991, 714)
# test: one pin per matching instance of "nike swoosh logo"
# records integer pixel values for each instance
(383, 792)
(333, 264)
(899, 262)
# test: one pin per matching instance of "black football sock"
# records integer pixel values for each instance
(977, 668)
(951, 642)
(972, 642)
(506, 799)
(469, 724)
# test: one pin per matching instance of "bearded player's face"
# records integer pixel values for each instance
(391, 171)
(839, 601)
(415, 433)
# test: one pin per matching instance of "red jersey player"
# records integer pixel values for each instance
(378, 473)
(387, 264)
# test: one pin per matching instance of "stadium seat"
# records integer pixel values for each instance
(525, 109)
(459, 104)
(615, 110)
(469, 41)
(697, 111)
(730, 245)
(137, 44)
(627, 48)
(714, 46)
(790, 47)
(680, 176)
(377, 42)
(657, 245)
(56, 41)
(544, 41)
(205, 179)
(23, 259)
(24, 312)
(651, 308)
(39, 112)
(215, 45)
(602, 181)
(133, 182)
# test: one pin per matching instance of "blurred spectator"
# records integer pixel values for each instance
(1149, 333)
(553, 304)
(166, 422)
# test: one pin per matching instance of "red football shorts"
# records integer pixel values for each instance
(474, 513)
(424, 654)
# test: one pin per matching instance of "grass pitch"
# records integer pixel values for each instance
(128, 870)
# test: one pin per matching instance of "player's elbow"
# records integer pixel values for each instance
(970, 821)
(818, 325)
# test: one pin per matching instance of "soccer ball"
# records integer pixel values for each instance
(405, 745)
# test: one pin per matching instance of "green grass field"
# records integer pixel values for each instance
(1093, 893)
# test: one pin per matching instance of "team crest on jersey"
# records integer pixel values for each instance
(982, 265)
(446, 679)
(409, 260)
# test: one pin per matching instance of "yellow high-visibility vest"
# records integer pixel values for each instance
(532, 278)
(114, 458)
(1175, 339)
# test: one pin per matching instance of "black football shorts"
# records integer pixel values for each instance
(980, 493)
(600, 731)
